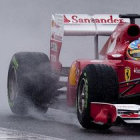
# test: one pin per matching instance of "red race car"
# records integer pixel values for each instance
(103, 90)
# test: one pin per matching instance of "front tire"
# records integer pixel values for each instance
(97, 83)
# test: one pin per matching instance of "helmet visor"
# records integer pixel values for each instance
(135, 53)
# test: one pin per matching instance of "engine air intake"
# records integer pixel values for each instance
(133, 30)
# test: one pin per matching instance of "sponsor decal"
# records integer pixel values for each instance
(136, 70)
(66, 20)
(123, 107)
(76, 19)
(53, 58)
(127, 72)
(130, 115)
(57, 37)
(57, 28)
(53, 46)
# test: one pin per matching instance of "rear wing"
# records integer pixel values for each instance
(80, 25)
(85, 25)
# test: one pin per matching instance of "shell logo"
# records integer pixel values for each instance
(72, 75)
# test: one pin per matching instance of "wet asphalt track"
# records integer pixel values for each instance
(62, 123)
(25, 26)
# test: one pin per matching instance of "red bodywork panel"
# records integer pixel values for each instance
(103, 113)
(114, 53)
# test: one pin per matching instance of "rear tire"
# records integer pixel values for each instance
(97, 83)
(30, 82)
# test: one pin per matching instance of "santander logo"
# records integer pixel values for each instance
(66, 20)
(76, 19)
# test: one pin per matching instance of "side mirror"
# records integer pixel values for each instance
(116, 56)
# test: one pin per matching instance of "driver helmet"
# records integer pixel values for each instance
(133, 50)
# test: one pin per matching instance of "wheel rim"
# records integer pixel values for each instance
(82, 96)
(12, 87)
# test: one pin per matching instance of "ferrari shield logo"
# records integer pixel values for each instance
(127, 73)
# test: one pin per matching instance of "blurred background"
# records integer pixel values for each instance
(25, 26)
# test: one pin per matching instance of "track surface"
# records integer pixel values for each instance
(61, 122)
(25, 26)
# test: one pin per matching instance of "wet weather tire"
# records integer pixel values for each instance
(30, 82)
(97, 83)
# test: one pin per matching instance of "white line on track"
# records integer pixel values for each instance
(9, 134)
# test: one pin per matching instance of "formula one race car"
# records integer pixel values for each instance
(103, 90)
